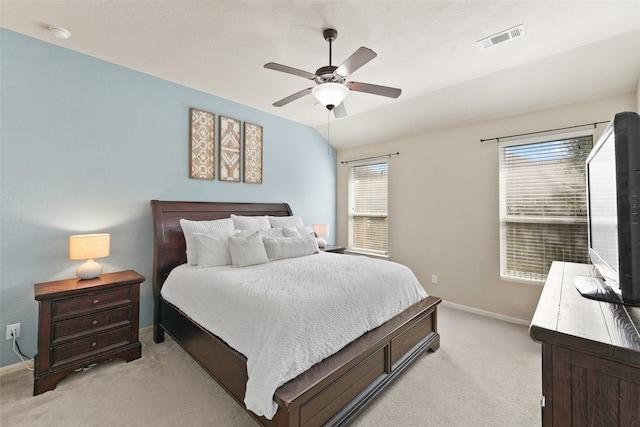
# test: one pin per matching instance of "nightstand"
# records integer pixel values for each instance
(82, 322)
(334, 249)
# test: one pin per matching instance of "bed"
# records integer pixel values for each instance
(333, 391)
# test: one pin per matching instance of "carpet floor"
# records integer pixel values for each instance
(486, 373)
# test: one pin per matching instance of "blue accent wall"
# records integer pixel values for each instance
(86, 144)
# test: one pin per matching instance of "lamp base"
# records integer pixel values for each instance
(321, 242)
(89, 270)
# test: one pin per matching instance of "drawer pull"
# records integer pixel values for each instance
(94, 323)
(96, 301)
(93, 344)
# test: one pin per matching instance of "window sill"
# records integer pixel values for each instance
(534, 282)
(368, 254)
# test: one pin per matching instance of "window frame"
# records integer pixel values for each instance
(351, 214)
(504, 218)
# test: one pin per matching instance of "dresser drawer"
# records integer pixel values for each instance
(90, 302)
(87, 347)
(90, 324)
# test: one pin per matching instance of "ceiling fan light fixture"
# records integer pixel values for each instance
(330, 94)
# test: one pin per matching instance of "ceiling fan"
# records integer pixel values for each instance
(332, 86)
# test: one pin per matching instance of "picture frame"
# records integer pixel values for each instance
(229, 151)
(253, 153)
(202, 144)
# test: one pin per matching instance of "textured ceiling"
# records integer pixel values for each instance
(573, 51)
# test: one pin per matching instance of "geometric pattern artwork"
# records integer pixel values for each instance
(229, 149)
(202, 149)
(252, 153)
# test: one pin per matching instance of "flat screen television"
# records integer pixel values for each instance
(613, 189)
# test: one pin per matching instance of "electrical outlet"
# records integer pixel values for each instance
(434, 278)
(15, 327)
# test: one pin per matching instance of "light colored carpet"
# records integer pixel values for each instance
(486, 373)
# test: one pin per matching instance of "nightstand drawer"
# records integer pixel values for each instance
(91, 302)
(88, 346)
(90, 324)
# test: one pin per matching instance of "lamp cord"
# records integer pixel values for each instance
(16, 350)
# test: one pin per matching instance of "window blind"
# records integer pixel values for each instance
(543, 205)
(368, 207)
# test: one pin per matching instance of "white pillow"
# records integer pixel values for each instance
(247, 250)
(189, 227)
(250, 222)
(268, 232)
(305, 231)
(272, 232)
(286, 221)
(213, 249)
(290, 247)
(290, 232)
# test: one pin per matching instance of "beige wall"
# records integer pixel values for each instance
(443, 205)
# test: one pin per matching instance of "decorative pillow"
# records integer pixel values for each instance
(247, 250)
(286, 221)
(290, 232)
(304, 231)
(189, 227)
(268, 232)
(213, 249)
(290, 247)
(250, 222)
(272, 232)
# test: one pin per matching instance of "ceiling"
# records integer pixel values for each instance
(573, 51)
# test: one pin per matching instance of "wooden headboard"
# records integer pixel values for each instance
(168, 241)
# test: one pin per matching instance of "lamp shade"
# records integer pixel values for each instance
(88, 246)
(322, 230)
(330, 94)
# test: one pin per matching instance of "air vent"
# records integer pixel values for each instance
(501, 37)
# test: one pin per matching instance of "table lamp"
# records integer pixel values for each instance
(87, 247)
(321, 230)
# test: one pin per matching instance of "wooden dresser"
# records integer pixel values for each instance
(590, 355)
(82, 322)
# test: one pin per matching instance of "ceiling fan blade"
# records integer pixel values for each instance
(290, 70)
(355, 61)
(340, 111)
(391, 92)
(288, 99)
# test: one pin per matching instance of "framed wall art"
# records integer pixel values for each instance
(202, 145)
(229, 150)
(252, 153)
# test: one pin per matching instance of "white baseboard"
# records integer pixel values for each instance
(487, 313)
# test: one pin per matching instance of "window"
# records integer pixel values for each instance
(368, 207)
(543, 204)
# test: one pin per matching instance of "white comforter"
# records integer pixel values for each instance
(287, 315)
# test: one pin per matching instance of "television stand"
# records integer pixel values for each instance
(596, 288)
(590, 355)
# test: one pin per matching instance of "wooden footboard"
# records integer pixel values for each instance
(334, 391)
